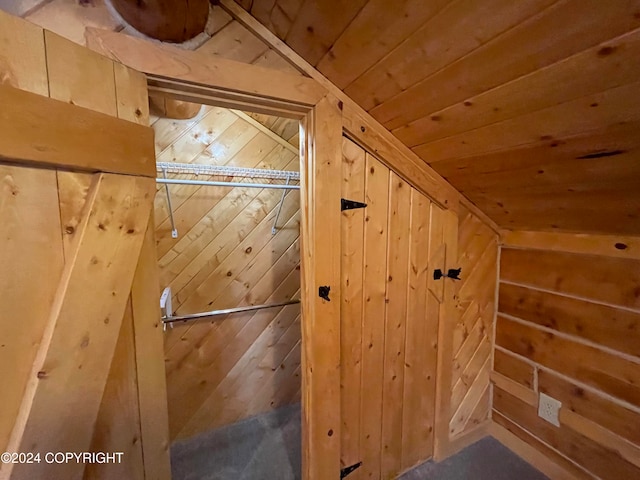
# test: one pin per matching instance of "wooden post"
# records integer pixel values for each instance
(321, 169)
(152, 382)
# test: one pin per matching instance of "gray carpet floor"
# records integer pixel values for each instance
(267, 447)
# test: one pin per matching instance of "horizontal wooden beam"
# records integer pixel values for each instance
(86, 140)
(604, 245)
(540, 455)
(226, 76)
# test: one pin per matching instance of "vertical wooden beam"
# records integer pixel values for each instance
(64, 391)
(152, 383)
(321, 170)
(399, 238)
(447, 323)
(31, 260)
(118, 424)
(374, 308)
(419, 378)
(353, 188)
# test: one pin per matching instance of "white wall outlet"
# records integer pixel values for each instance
(548, 409)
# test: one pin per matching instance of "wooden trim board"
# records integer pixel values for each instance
(532, 455)
(226, 76)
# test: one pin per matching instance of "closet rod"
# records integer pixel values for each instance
(178, 181)
(195, 316)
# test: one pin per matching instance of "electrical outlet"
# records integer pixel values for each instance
(548, 409)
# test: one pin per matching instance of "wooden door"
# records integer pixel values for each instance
(390, 311)
(80, 345)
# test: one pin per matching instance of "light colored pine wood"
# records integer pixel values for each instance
(476, 393)
(218, 351)
(237, 361)
(399, 238)
(603, 370)
(197, 67)
(420, 345)
(282, 141)
(423, 55)
(235, 43)
(321, 327)
(318, 24)
(540, 89)
(127, 149)
(72, 193)
(602, 461)
(351, 310)
(571, 274)
(374, 277)
(529, 44)
(513, 368)
(377, 29)
(131, 95)
(593, 431)
(605, 245)
(576, 116)
(445, 337)
(527, 395)
(32, 249)
(69, 19)
(363, 128)
(117, 426)
(75, 74)
(537, 453)
(149, 361)
(591, 405)
(23, 63)
(607, 326)
(100, 243)
(411, 168)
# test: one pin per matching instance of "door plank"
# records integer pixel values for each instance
(82, 330)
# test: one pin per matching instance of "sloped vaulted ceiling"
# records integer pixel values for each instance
(530, 108)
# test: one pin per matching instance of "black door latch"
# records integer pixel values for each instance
(323, 292)
(347, 470)
(453, 273)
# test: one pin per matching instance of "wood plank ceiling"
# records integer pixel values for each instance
(529, 108)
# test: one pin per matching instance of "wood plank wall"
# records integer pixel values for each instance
(569, 326)
(225, 256)
(391, 312)
(473, 333)
(51, 202)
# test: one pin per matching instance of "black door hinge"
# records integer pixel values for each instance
(347, 470)
(323, 292)
(350, 204)
(453, 273)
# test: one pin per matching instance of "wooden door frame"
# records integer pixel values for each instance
(194, 77)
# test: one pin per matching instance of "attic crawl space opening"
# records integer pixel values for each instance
(227, 224)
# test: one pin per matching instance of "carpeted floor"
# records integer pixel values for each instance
(486, 459)
(267, 447)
